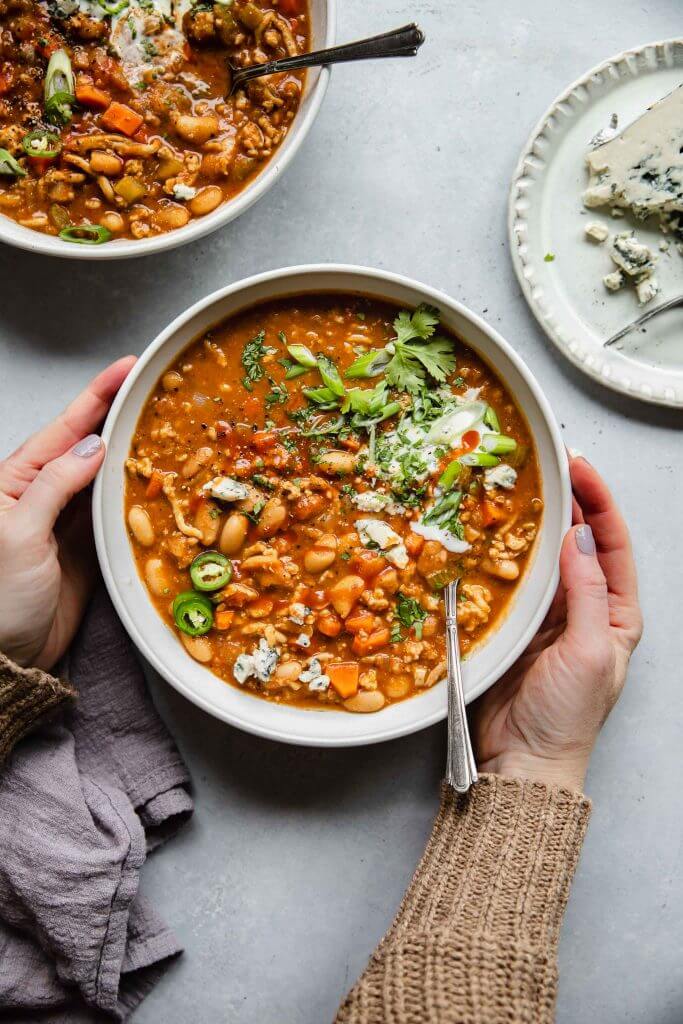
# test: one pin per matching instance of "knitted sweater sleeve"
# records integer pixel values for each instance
(475, 938)
(27, 697)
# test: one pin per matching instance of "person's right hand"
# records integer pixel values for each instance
(543, 717)
(47, 563)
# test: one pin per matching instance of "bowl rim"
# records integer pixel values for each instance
(375, 279)
(50, 245)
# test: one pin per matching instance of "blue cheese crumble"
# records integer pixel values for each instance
(261, 664)
(314, 677)
(501, 475)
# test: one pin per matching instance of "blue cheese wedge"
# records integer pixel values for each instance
(641, 170)
(226, 489)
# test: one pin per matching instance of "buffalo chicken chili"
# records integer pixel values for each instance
(114, 116)
(306, 478)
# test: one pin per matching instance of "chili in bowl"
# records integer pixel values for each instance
(295, 470)
(118, 133)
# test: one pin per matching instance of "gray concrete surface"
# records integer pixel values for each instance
(297, 859)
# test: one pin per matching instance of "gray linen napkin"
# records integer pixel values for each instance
(82, 800)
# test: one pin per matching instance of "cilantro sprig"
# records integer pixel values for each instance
(252, 356)
(410, 612)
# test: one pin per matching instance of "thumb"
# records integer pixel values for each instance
(585, 586)
(59, 480)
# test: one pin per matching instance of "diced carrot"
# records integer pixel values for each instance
(492, 513)
(367, 564)
(120, 118)
(263, 439)
(344, 677)
(363, 645)
(329, 624)
(88, 95)
(223, 619)
(414, 543)
(360, 622)
(155, 485)
(352, 444)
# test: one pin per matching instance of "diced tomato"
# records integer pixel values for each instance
(290, 7)
(315, 598)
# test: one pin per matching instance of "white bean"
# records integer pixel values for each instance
(155, 574)
(198, 647)
(337, 463)
(234, 533)
(195, 462)
(141, 526)
(366, 701)
(322, 554)
(272, 518)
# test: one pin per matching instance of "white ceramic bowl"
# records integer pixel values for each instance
(159, 644)
(322, 35)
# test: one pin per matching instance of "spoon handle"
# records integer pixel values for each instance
(461, 769)
(401, 42)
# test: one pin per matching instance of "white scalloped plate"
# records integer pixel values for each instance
(546, 215)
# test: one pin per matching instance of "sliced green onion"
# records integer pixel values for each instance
(303, 356)
(60, 88)
(491, 420)
(326, 427)
(113, 8)
(193, 613)
(294, 371)
(479, 459)
(444, 510)
(9, 167)
(330, 376)
(321, 396)
(390, 409)
(85, 234)
(369, 365)
(210, 571)
(450, 474)
(498, 444)
(42, 144)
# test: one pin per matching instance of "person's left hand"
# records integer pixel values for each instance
(47, 562)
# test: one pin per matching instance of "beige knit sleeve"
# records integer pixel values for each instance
(27, 697)
(475, 938)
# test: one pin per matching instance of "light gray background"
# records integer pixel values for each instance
(297, 859)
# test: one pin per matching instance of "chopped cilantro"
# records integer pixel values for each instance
(253, 353)
(345, 555)
(549, 257)
(263, 481)
(396, 634)
(410, 613)
(277, 395)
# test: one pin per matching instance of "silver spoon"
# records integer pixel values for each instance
(645, 318)
(461, 768)
(401, 42)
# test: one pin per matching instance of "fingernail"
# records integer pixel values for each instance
(89, 446)
(585, 541)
